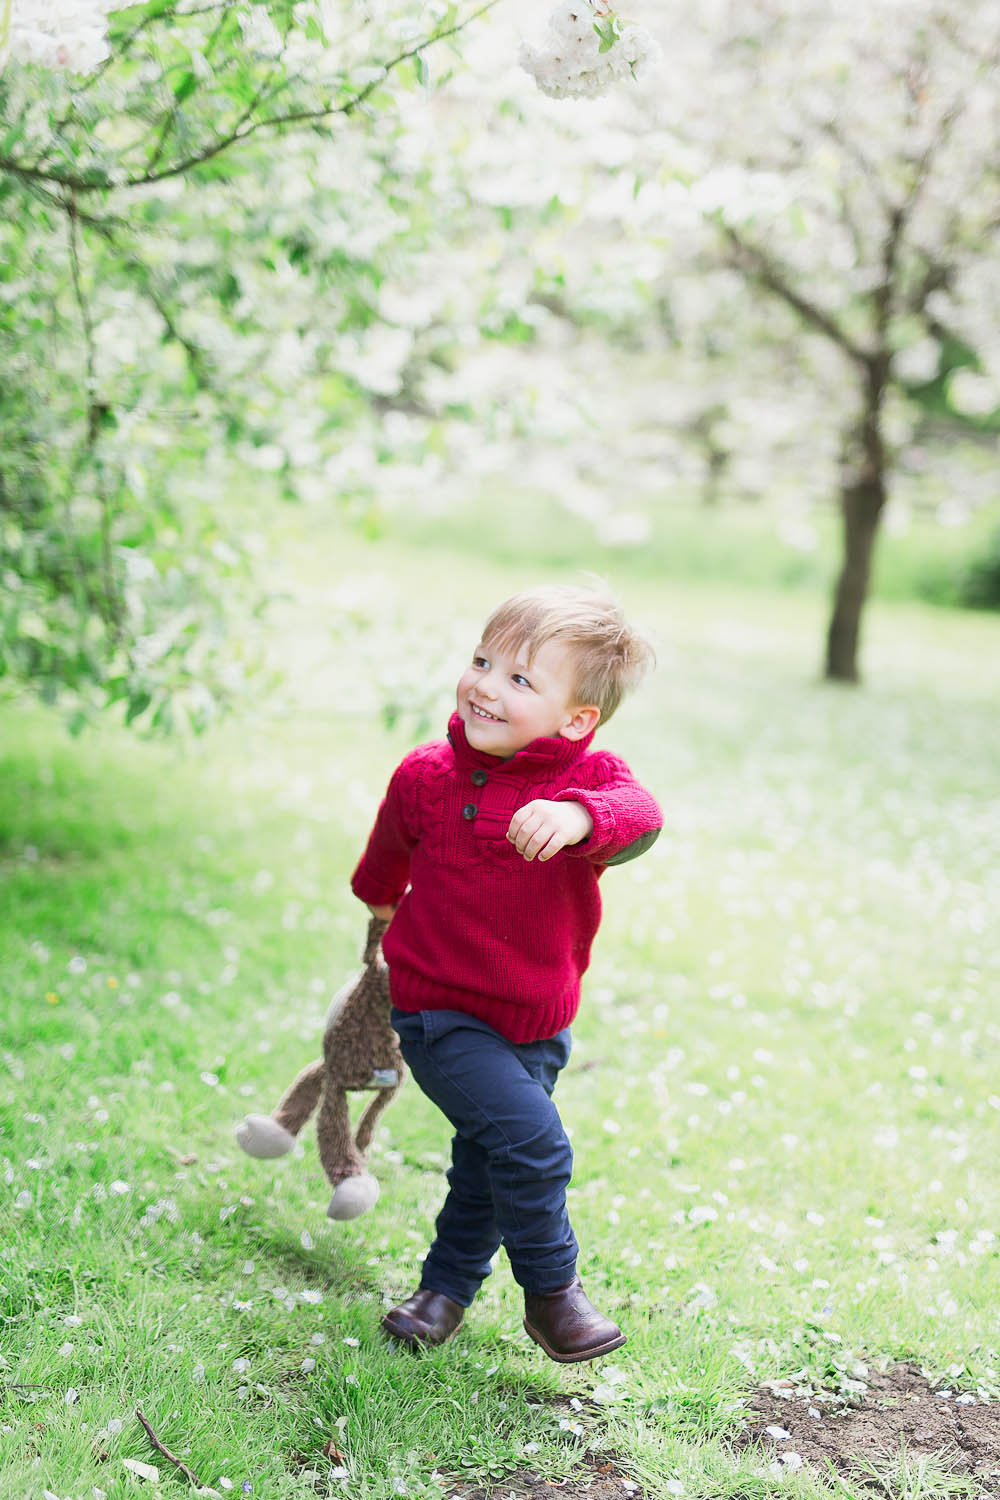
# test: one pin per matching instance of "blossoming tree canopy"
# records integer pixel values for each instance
(585, 49)
(66, 34)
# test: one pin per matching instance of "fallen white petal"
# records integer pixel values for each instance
(144, 1471)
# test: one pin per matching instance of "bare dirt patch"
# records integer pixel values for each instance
(900, 1414)
(598, 1479)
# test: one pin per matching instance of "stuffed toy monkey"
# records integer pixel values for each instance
(360, 1051)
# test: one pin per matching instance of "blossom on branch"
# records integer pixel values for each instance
(66, 34)
(586, 48)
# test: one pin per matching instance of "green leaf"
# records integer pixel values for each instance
(137, 705)
(185, 87)
(608, 31)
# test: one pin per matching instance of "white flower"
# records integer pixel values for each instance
(585, 50)
(310, 1296)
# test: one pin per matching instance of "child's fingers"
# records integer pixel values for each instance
(545, 841)
(523, 824)
(536, 843)
(530, 840)
(555, 843)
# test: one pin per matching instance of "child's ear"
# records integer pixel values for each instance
(580, 723)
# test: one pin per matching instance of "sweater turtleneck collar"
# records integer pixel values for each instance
(547, 753)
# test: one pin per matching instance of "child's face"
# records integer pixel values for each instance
(505, 701)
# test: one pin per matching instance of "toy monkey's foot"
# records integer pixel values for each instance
(354, 1197)
(261, 1136)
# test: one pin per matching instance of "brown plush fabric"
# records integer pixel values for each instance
(358, 1043)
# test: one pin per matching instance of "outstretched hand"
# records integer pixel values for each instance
(540, 829)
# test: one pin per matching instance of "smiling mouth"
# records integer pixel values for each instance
(481, 713)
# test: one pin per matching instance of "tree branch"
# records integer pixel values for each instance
(161, 1447)
(98, 180)
(756, 263)
(304, 116)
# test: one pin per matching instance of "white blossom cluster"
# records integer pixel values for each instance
(586, 48)
(65, 34)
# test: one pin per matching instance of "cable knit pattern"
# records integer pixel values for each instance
(478, 928)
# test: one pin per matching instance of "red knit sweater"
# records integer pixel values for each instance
(479, 928)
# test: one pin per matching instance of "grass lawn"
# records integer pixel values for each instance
(783, 1098)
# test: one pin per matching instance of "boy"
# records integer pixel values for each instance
(486, 854)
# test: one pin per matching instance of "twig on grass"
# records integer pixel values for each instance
(162, 1448)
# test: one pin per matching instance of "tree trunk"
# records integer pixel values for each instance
(862, 499)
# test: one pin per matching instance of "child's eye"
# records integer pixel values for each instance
(480, 661)
(519, 678)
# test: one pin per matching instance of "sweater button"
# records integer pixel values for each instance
(480, 778)
(469, 810)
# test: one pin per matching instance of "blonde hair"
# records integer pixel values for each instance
(610, 655)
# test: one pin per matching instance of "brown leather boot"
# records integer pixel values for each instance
(425, 1318)
(568, 1326)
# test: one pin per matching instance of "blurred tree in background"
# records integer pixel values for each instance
(850, 161)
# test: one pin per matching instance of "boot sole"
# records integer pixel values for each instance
(581, 1354)
(416, 1340)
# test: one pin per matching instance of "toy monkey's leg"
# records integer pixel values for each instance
(298, 1103)
(274, 1134)
(355, 1190)
(337, 1151)
(366, 1125)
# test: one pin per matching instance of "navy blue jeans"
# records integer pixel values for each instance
(511, 1159)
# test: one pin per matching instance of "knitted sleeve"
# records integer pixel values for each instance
(627, 820)
(384, 869)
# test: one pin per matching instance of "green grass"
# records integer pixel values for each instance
(752, 545)
(783, 1096)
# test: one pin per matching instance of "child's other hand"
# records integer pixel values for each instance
(540, 829)
(384, 913)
